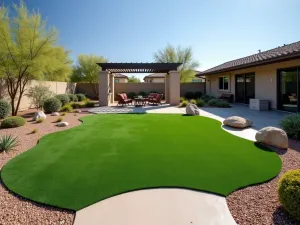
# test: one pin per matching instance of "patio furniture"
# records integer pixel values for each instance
(156, 100)
(123, 99)
(139, 102)
(228, 97)
(152, 96)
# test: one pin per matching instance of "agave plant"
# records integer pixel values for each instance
(8, 142)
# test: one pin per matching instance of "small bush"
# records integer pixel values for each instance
(63, 114)
(182, 99)
(291, 125)
(38, 94)
(289, 192)
(223, 104)
(207, 98)
(40, 120)
(189, 95)
(52, 105)
(200, 102)
(131, 95)
(193, 101)
(5, 109)
(73, 98)
(184, 103)
(213, 102)
(89, 104)
(198, 94)
(8, 142)
(80, 97)
(76, 105)
(34, 131)
(142, 93)
(59, 119)
(66, 108)
(63, 98)
(13, 121)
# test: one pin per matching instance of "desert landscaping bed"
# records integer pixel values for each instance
(259, 204)
(15, 209)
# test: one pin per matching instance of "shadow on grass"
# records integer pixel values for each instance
(269, 148)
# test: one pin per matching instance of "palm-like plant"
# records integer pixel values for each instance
(171, 54)
(8, 142)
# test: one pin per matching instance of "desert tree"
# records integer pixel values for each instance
(134, 79)
(28, 50)
(170, 54)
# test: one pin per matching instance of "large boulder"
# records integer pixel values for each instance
(273, 136)
(237, 122)
(192, 110)
(39, 115)
(62, 124)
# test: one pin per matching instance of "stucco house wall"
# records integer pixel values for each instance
(265, 80)
(154, 80)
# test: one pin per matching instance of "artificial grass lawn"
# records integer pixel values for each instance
(112, 154)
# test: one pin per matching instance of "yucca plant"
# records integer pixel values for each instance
(8, 142)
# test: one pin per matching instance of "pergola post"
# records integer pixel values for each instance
(104, 88)
(112, 87)
(167, 93)
(174, 87)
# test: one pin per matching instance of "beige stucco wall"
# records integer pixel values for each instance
(55, 87)
(121, 80)
(155, 80)
(265, 80)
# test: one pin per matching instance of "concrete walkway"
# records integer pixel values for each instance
(172, 206)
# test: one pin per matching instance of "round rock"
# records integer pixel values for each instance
(55, 114)
(192, 110)
(39, 115)
(273, 136)
(62, 124)
(237, 122)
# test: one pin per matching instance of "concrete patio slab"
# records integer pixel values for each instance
(159, 207)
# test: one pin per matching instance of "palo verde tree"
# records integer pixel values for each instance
(86, 70)
(134, 79)
(171, 54)
(28, 51)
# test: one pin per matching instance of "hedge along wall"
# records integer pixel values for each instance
(137, 87)
(55, 87)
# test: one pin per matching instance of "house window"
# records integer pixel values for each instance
(223, 83)
(116, 80)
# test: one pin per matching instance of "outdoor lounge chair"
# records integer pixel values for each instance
(151, 96)
(156, 100)
(228, 97)
(123, 100)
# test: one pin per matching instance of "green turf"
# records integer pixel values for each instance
(112, 154)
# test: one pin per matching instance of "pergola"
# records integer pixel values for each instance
(106, 79)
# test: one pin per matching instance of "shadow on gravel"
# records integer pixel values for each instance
(281, 217)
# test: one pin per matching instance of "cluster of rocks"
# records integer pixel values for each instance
(268, 135)
(41, 115)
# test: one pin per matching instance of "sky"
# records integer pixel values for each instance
(132, 30)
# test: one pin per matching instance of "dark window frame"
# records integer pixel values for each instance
(223, 83)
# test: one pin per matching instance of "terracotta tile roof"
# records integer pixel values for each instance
(285, 52)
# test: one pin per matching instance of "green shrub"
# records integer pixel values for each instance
(131, 95)
(38, 94)
(13, 121)
(5, 109)
(200, 102)
(34, 131)
(182, 99)
(52, 105)
(73, 98)
(223, 104)
(76, 105)
(63, 98)
(213, 102)
(207, 98)
(66, 108)
(198, 94)
(184, 103)
(89, 104)
(80, 97)
(40, 120)
(8, 142)
(289, 192)
(291, 125)
(63, 114)
(189, 95)
(59, 119)
(142, 93)
(193, 101)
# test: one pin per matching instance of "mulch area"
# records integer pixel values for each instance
(15, 209)
(259, 204)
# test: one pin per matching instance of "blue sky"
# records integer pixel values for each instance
(132, 30)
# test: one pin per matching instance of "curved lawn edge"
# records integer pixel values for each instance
(82, 120)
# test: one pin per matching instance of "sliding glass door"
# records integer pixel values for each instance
(288, 90)
(244, 87)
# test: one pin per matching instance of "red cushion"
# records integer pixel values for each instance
(125, 96)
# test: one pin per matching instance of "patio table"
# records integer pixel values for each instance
(138, 102)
